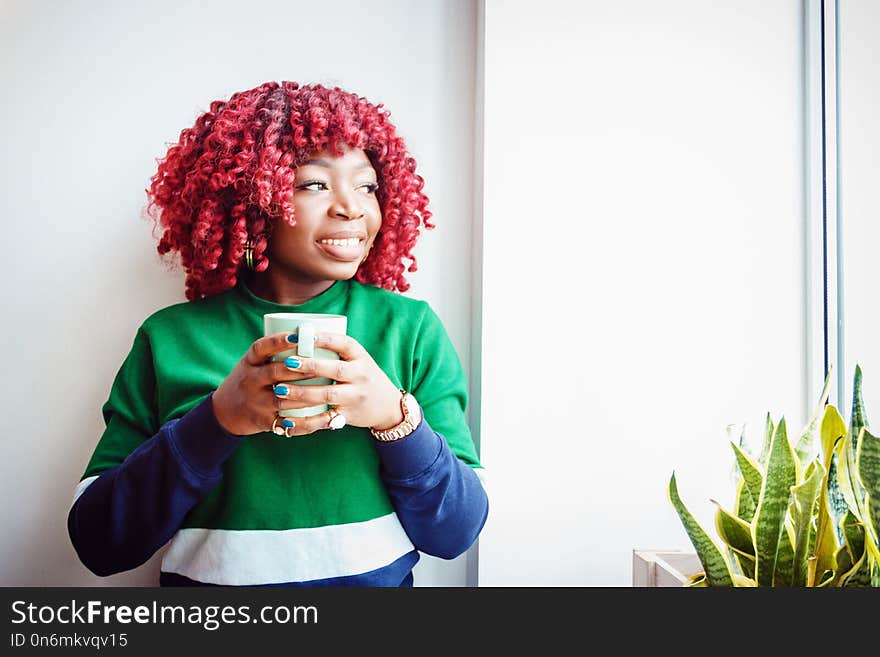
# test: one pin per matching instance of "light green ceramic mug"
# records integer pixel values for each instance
(306, 326)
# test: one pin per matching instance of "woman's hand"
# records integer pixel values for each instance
(249, 399)
(363, 393)
(244, 404)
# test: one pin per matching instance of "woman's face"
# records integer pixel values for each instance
(337, 218)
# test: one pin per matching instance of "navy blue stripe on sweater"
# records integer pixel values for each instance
(133, 509)
(439, 500)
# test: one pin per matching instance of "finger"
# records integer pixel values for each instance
(264, 348)
(302, 396)
(305, 426)
(297, 368)
(282, 426)
(282, 371)
(346, 346)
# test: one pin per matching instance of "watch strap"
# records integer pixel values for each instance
(401, 430)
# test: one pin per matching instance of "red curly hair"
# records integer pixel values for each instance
(231, 174)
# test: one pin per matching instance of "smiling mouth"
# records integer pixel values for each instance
(349, 249)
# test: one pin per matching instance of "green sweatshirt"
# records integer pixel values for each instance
(330, 508)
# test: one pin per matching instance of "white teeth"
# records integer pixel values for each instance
(350, 241)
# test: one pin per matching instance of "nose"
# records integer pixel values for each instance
(346, 205)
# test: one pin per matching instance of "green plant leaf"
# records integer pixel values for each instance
(743, 566)
(851, 549)
(736, 533)
(822, 559)
(833, 428)
(743, 445)
(847, 451)
(858, 419)
(844, 565)
(746, 566)
(810, 438)
(753, 480)
(837, 506)
(744, 504)
(847, 476)
(833, 432)
(854, 535)
(769, 522)
(806, 499)
(769, 430)
(714, 564)
(868, 460)
(784, 574)
(859, 573)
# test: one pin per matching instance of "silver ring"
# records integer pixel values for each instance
(278, 431)
(337, 421)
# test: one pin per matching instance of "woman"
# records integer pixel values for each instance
(285, 199)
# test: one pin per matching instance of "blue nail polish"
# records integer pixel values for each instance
(292, 363)
(280, 390)
(293, 337)
(288, 424)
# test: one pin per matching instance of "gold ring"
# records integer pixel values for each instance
(278, 431)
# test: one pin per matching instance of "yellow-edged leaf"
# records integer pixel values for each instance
(847, 475)
(736, 533)
(714, 564)
(868, 460)
(834, 504)
(752, 481)
(806, 498)
(847, 470)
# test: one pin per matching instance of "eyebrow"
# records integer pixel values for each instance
(321, 162)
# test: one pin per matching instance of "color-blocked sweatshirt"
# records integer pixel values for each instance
(333, 508)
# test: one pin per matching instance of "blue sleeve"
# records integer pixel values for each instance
(131, 510)
(439, 499)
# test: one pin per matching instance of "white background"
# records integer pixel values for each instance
(643, 281)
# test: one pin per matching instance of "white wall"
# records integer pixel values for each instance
(643, 270)
(92, 93)
(859, 142)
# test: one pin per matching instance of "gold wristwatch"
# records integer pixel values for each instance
(412, 416)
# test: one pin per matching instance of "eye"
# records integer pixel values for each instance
(369, 188)
(313, 186)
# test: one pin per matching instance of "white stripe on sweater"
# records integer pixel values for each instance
(81, 488)
(253, 556)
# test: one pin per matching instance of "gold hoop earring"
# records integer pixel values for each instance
(249, 254)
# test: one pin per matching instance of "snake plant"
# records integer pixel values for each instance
(806, 512)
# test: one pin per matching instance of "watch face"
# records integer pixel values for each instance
(412, 406)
